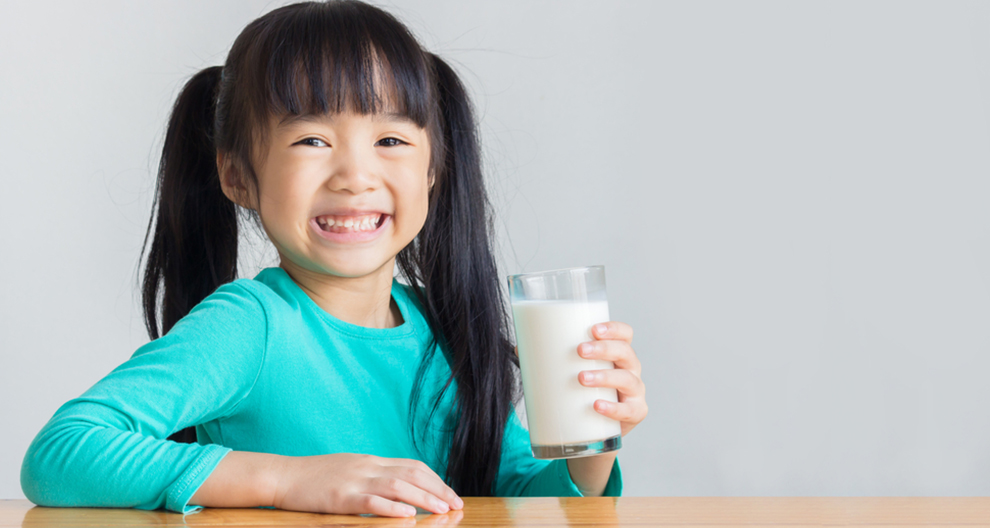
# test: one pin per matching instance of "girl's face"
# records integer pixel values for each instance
(342, 195)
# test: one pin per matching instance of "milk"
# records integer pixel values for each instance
(559, 409)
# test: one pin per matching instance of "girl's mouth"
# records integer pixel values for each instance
(350, 228)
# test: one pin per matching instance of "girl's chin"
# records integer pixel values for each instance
(350, 264)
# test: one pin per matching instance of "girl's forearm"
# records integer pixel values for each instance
(591, 473)
(243, 479)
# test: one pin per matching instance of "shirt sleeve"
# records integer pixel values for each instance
(109, 447)
(522, 475)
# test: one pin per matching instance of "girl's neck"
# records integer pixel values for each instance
(363, 301)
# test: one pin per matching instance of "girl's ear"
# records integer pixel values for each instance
(232, 182)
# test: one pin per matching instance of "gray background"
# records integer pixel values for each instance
(790, 199)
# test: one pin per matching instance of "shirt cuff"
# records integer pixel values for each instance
(192, 478)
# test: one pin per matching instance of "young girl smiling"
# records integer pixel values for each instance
(356, 151)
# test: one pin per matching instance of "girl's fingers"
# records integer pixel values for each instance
(618, 352)
(381, 506)
(631, 411)
(627, 383)
(421, 475)
(428, 481)
(396, 489)
(612, 330)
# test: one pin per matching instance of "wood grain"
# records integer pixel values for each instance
(560, 511)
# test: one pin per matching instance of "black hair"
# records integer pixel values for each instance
(326, 57)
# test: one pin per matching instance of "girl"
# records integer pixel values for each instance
(354, 149)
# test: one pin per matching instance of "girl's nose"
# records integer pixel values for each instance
(353, 171)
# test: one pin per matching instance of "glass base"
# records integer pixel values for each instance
(577, 450)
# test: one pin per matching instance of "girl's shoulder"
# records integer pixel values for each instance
(244, 292)
(271, 287)
(259, 298)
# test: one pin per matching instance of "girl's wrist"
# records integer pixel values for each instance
(242, 479)
(276, 478)
(590, 474)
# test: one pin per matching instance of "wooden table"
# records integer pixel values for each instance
(561, 511)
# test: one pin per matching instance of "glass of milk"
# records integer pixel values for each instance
(553, 312)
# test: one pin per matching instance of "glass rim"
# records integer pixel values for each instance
(534, 273)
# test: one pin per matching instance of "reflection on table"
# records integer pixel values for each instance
(558, 511)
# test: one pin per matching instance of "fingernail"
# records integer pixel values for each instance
(587, 376)
(442, 506)
(600, 329)
(459, 502)
(585, 349)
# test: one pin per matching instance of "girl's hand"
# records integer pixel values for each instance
(351, 483)
(613, 342)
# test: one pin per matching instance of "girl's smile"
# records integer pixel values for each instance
(359, 227)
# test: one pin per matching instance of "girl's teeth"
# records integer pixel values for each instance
(365, 224)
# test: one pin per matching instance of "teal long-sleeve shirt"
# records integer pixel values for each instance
(258, 366)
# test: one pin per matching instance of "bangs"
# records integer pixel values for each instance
(323, 60)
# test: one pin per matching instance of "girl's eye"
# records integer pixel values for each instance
(314, 142)
(391, 142)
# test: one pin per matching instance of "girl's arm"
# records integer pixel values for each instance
(345, 483)
(108, 447)
(590, 474)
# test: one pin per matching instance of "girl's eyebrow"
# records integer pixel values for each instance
(381, 117)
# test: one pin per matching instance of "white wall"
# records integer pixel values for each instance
(790, 200)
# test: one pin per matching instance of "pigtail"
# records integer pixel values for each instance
(462, 294)
(194, 247)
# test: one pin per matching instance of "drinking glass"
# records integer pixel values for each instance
(553, 312)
